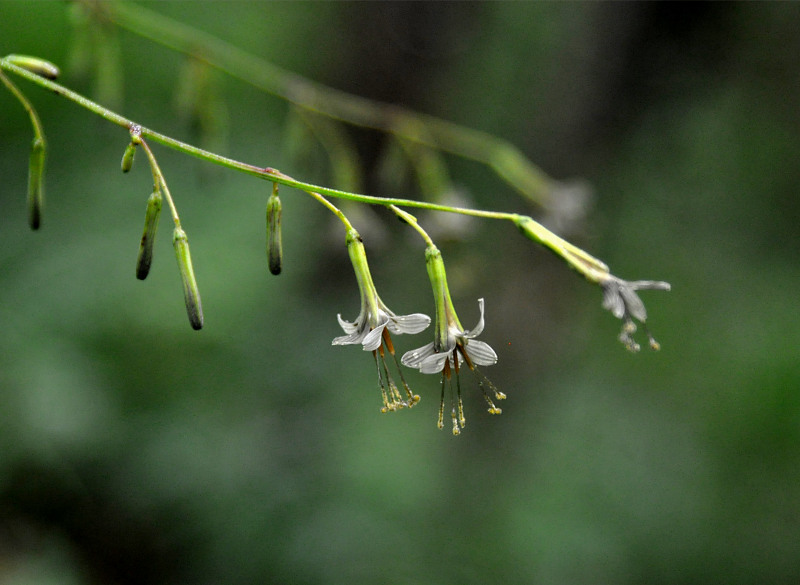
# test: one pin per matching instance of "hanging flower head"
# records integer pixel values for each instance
(452, 346)
(373, 326)
(619, 297)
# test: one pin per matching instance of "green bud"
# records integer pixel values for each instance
(191, 294)
(35, 65)
(145, 258)
(274, 243)
(36, 183)
(127, 157)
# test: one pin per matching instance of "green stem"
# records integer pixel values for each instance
(577, 258)
(267, 173)
(38, 130)
(160, 183)
(507, 161)
(412, 221)
(335, 210)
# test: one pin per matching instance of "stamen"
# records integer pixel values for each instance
(654, 345)
(380, 381)
(441, 407)
(483, 381)
(396, 400)
(461, 418)
(412, 398)
(626, 335)
(387, 340)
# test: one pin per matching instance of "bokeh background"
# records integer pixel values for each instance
(135, 450)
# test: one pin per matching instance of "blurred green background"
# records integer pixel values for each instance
(135, 450)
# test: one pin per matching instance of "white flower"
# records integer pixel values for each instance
(375, 316)
(619, 297)
(452, 345)
(373, 326)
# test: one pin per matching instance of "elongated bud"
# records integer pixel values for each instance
(36, 183)
(127, 157)
(35, 65)
(191, 294)
(274, 243)
(145, 258)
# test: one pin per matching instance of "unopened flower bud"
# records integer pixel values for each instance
(36, 183)
(145, 258)
(274, 243)
(191, 294)
(35, 65)
(127, 157)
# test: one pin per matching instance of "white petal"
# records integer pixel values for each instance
(372, 340)
(633, 303)
(351, 339)
(346, 325)
(478, 329)
(481, 353)
(434, 364)
(413, 358)
(413, 323)
(612, 300)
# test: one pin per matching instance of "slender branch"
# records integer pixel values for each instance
(160, 183)
(267, 173)
(335, 210)
(38, 131)
(506, 160)
(580, 260)
(412, 221)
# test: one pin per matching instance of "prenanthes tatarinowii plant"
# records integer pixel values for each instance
(453, 348)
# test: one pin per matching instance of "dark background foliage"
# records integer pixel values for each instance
(135, 450)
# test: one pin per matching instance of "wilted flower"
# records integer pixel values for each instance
(373, 326)
(619, 297)
(452, 345)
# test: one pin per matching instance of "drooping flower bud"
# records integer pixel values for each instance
(127, 157)
(274, 242)
(191, 294)
(145, 258)
(36, 183)
(35, 65)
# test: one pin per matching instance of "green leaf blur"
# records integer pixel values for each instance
(135, 450)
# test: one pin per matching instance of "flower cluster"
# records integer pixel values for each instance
(452, 345)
